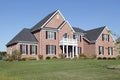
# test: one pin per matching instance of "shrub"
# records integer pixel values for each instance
(104, 58)
(16, 55)
(93, 56)
(99, 58)
(113, 58)
(31, 58)
(23, 59)
(40, 56)
(118, 57)
(48, 57)
(82, 56)
(9, 59)
(109, 58)
(3, 53)
(54, 57)
(62, 56)
(0, 57)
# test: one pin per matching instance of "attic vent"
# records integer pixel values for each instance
(57, 16)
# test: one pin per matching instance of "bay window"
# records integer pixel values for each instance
(24, 49)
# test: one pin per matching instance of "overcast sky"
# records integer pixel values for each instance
(86, 14)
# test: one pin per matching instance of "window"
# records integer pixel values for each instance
(24, 49)
(105, 37)
(33, 49)
(50, 35)
(50, 49)
(78, 37)
(79, 50)
(101, 50)
(11, 51)
(66, 35)
(110, 51)
(57, 16)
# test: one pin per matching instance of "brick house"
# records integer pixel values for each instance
(54, 35)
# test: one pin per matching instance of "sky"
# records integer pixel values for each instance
(85, 14)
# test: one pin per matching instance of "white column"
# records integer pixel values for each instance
(76, 52)
(67, 50)
(63, 49)
(73, 51)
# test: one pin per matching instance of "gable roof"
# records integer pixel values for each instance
(76, 29)
(93, 34)
(24, 36)
(42, 22)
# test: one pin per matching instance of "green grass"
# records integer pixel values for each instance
(60, 70)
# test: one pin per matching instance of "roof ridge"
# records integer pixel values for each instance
(95, 28)
(43, 21)
(96, 32)
(24, 35)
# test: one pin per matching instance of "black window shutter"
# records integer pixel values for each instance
(99, 50)
(26, 49)
(112, 50)
(36, 49)
(80, 38)
(55, 49)
(46, 34)
(46, 49)
(103, 50)
(80, 50)
(20, 49)
(102, 37)
(30, 49)
(108, 50)
(108, 38)
(55, 35)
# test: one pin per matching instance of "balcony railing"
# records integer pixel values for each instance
(67, 41)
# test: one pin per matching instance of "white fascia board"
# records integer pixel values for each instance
(52, 17)
(70, 26)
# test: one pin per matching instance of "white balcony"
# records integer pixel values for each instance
(66, 41)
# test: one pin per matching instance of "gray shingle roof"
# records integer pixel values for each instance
(24, 36)
(76, 29)
(43, 21)
(93, 34)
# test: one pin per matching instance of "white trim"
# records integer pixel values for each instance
(70, 26)
(61, 14)
(110, 33)
(73, 51)
(62, 25)
(20, 42)
(52, 17)
(25, 49)
(49, 30)
(102, 32)
(66, 41)
(86, 39)
(33, 47)
(11, 51)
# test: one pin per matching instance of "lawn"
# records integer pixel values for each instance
(60, 70)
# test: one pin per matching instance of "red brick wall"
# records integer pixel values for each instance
(89, 49)
(65, 29)
(106, 44)
(13, 47)
(45, 42)
(55, 22)
(80, 44)
(17, 47)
